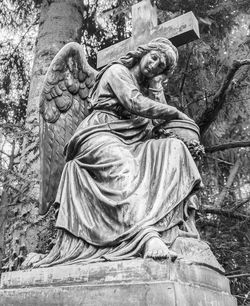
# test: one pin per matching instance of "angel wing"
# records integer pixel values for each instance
(63, 105)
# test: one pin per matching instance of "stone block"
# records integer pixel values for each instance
(132, 282)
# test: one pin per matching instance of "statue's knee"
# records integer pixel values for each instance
(177, 144)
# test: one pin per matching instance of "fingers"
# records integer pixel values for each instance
(164, 82)
(156, 82)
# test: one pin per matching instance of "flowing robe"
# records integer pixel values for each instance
(120, 187)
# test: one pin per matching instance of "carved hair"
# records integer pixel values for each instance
(160, 44)
(133, 57)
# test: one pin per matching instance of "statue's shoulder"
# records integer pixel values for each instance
(116, 73)
(117, 69)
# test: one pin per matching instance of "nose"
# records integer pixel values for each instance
(153, 64)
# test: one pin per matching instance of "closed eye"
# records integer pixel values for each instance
(162, 66)
(154, 57)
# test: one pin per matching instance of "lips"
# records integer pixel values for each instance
(148, 70)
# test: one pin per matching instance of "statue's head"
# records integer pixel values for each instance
(162, 46)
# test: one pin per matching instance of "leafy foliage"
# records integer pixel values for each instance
(17, 41)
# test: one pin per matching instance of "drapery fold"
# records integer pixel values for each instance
(120, 187)
(117, 193)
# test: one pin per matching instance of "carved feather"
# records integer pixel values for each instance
(63, 105)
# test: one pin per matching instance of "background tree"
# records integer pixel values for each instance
(208, 85)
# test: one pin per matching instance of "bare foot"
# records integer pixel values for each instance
(31, 259)
(156, 248)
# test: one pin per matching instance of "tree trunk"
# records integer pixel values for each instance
(60, 23)
(229, 183)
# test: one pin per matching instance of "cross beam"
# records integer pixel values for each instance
(179, 31)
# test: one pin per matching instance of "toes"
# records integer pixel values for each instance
(173, 255)
(161, 254)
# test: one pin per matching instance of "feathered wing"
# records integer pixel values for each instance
(63, 105)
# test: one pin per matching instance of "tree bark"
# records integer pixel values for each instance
(60, 23)
(230, 180)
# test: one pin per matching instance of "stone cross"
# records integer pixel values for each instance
(179, 31)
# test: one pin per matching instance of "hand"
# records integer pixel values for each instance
(158, 81)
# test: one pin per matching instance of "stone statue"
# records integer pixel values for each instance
(122, 193)
(126, 190)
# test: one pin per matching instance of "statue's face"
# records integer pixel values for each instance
(152, 64)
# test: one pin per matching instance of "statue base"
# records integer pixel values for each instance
(124, 283)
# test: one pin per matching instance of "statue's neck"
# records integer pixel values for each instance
(136, 72)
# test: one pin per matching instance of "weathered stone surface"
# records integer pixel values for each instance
(195, 251)
(179, 31)
(131, 282)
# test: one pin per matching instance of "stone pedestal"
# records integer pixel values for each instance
(124, 283)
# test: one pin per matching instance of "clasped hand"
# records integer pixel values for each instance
(158, 82)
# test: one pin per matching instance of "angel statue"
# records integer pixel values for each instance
(122, 193)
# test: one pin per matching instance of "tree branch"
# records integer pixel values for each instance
(4, 153)
(224, 212)
(239, 275)
(240, 204)
(226, 146)
(223, 193)
(23, 36)
(219, 99)
(220, 160)
(185, 72)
